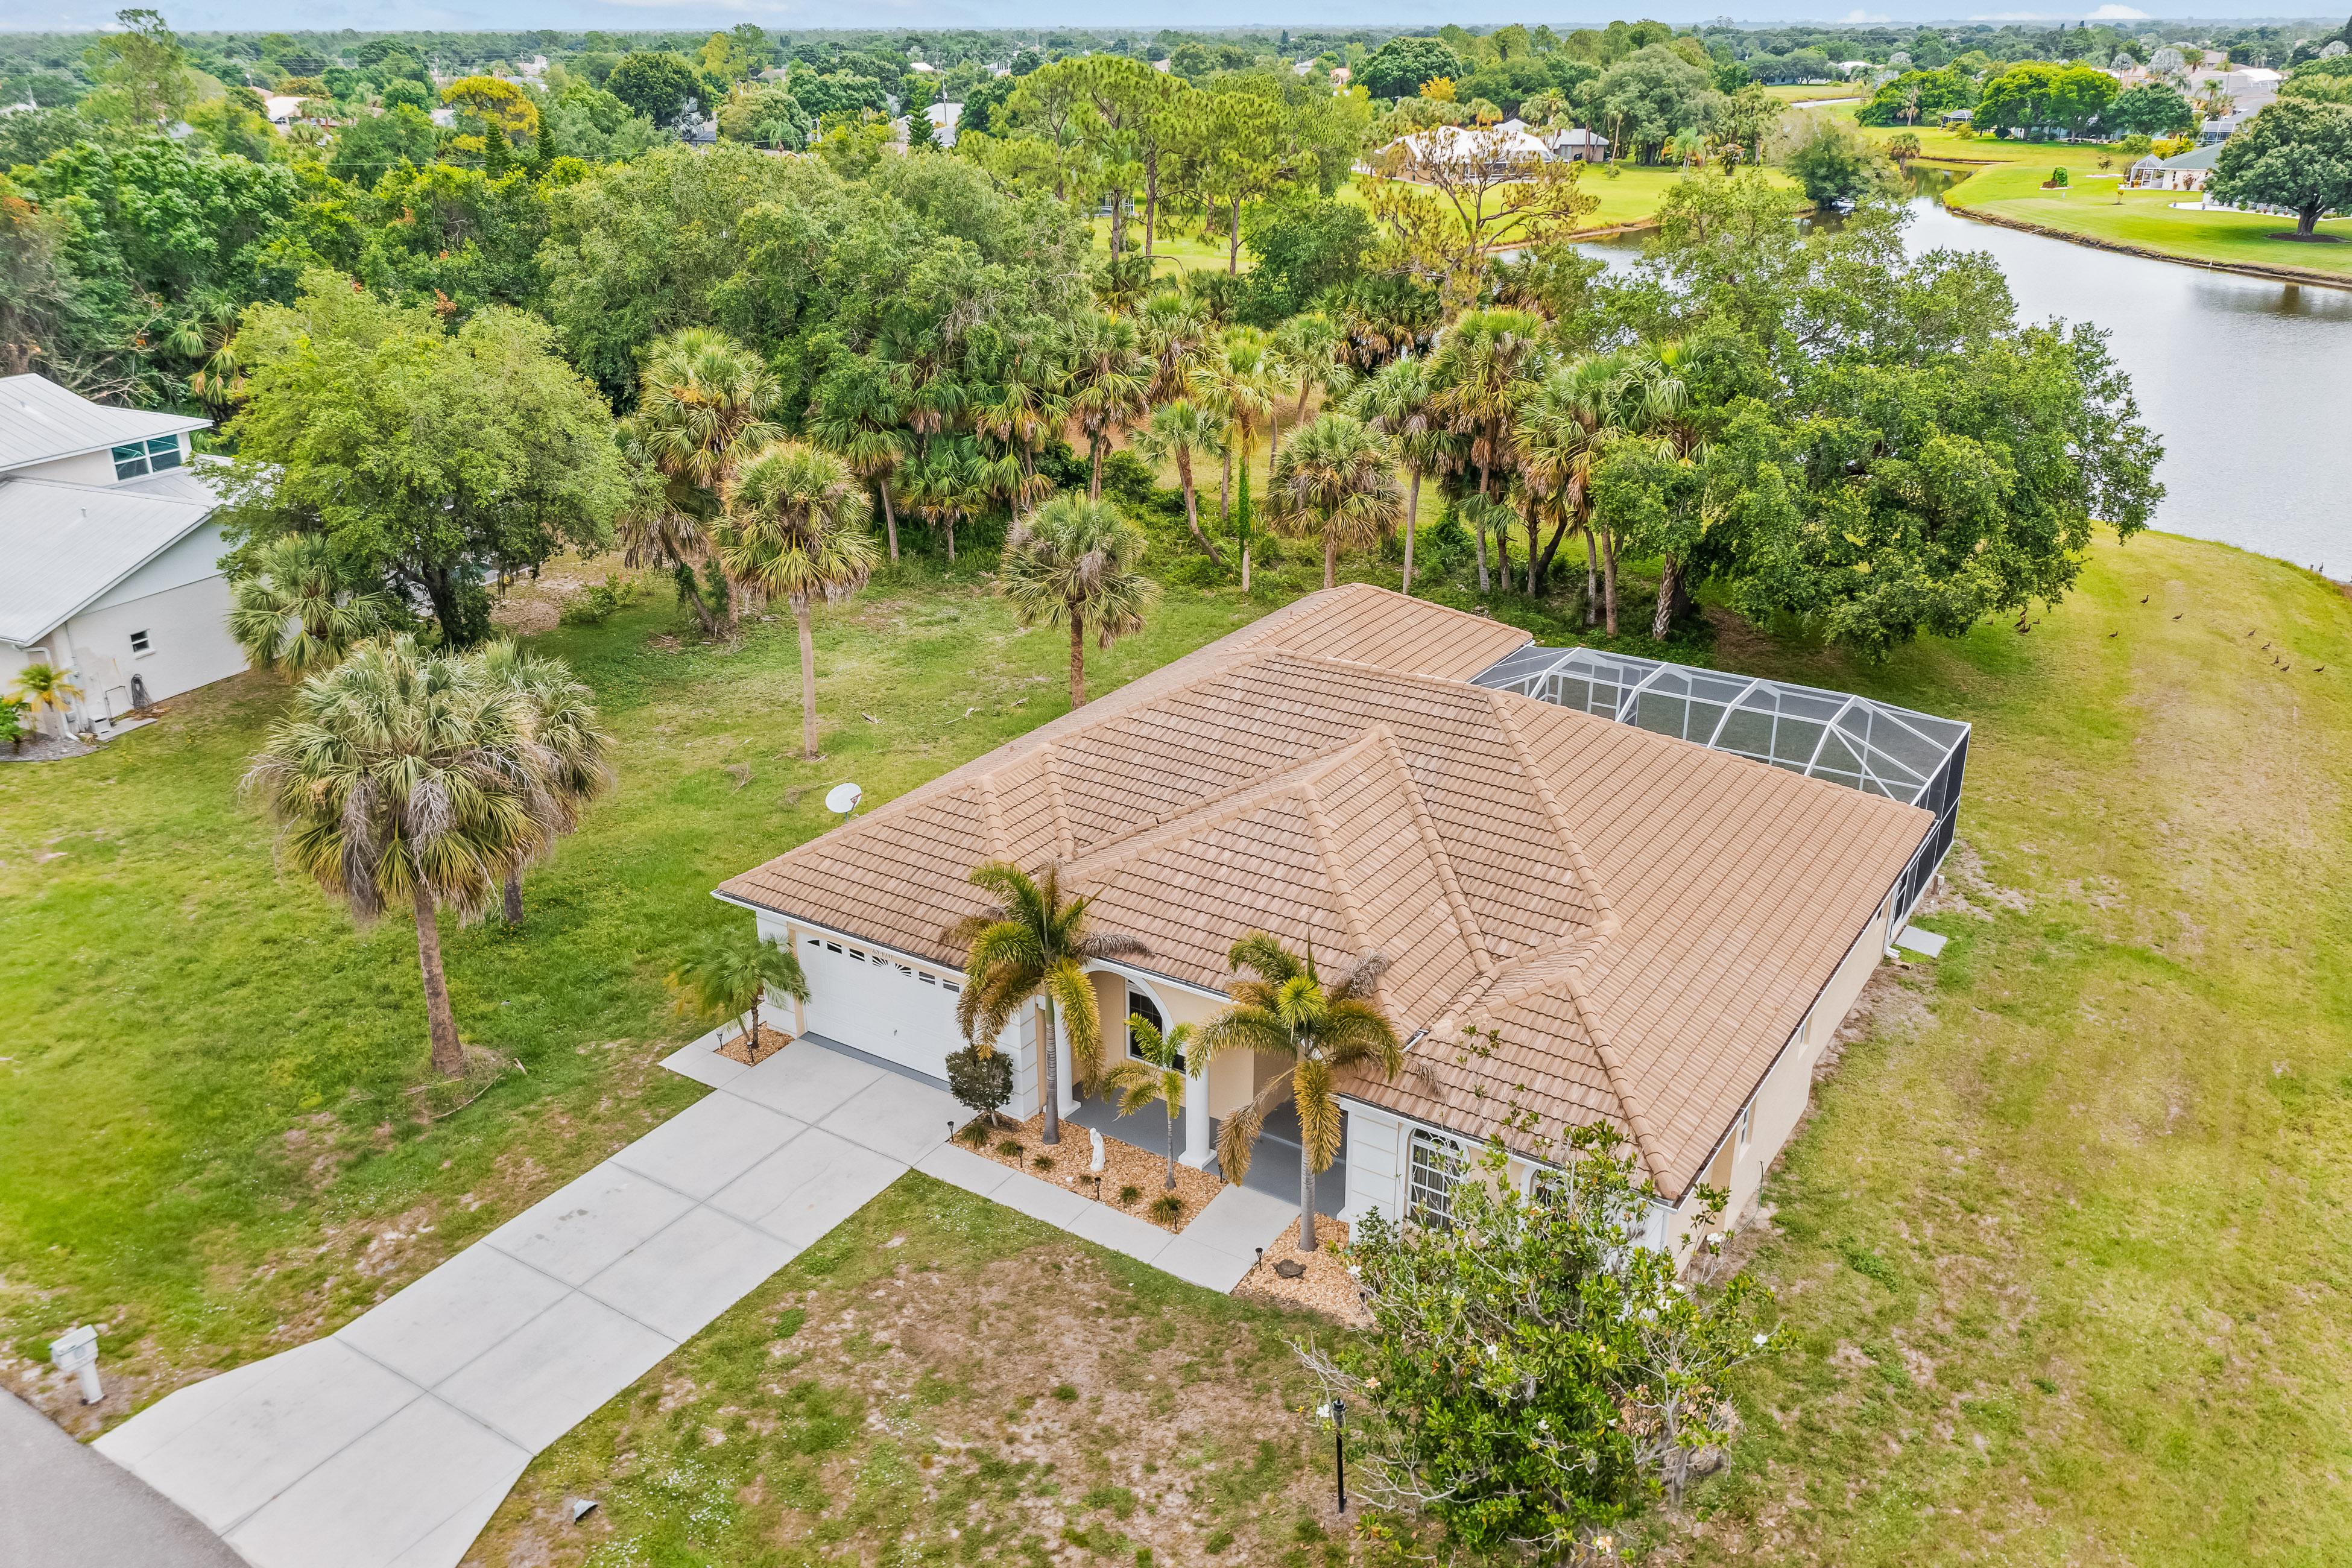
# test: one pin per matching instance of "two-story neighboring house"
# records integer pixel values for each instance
(109, 557)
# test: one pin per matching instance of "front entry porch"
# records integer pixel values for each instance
(1272, 1168)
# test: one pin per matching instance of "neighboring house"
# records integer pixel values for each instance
(1577, 145)
(2186, 171)
(1469, 149)
(943, 117)
(1588, 917)
(113, 553)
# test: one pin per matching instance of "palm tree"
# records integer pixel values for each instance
(402, 773)
(1022, 417)
(45, 688)
(289, 610)
(1072, 563)
(948, 484)
(1483, 368)
(1563, 430)
(1175, 332)
(1179, 430)
(575, 757)
(795, 529)
(1109, 382)
(1308, 344)
(1285, 1010)
(857, 412)
(1401, 403)
(1156, 1079)
(1032, 944)
(727, 977)
(1242, 381)
(701, 398)
(1656, 410)
(1335, 481)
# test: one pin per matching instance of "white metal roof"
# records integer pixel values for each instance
(41, 421)
(67, 545)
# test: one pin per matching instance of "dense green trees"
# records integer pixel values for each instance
(2036, 97)
(2297, 154)
(1398, 67)
(1919, 98)
(2151, 108)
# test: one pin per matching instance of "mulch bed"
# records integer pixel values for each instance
(751, 1053)
(1124, 1166)
(1326, 1286)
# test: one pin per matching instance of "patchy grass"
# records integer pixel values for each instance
(942, 1380)
(2065, 1259)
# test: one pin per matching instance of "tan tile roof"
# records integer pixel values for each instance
(1591, 921)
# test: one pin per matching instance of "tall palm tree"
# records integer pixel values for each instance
(405, 775)
(1563, 431)
(1399, 402)
(575, 757)
(858, 412)
(1242, 381)
(1308, 346)
(1175, 332)
(1178, 431)
(946, 485)
(795, 530)
(701, 398)
(1023, 417)
(1285, 1010)
(1156, 1079)
(1072, 563)
(289, 611)
(1483, 366)
(1336, 481)
(728, 975)
(1656, 411)
(45, 688)
(1032, 944)
(1107, 383)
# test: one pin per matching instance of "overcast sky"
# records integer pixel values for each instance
(790, 15)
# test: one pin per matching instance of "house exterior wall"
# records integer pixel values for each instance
(86, 469)
(188, 643)
(1378, 1141)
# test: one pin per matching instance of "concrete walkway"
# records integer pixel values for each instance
(62, 1505)
(390, 1443)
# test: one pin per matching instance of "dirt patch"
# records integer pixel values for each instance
(1327, 1287)
(1125, 1166)
(751, 1053)
(531, 605)
(1962, 888)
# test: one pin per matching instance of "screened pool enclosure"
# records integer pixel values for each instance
(1915, 758)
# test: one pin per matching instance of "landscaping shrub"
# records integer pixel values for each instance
(1127, 1196)
(1041, 1162)
(1167, 1208)
(597, 605)
(1010, 1148)
(981, 1083)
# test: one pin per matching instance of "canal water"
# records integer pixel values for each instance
(2248, 382)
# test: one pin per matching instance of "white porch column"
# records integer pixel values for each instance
(1063, 1087)
(1196, 1121)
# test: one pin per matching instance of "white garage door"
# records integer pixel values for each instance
(865, 998)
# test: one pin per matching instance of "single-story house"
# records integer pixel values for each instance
(114, 556)
(1611, 889)
(1577, 145)
(2185, 172)
(1496, 149)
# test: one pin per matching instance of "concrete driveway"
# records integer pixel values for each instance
(390, 1444)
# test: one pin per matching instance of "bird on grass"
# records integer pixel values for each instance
(2182, 613)
(2143, 598)
(2114, 634)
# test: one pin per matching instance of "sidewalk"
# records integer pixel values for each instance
(62, 1505)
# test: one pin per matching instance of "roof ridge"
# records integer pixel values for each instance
(1335, 870)
(1066, 843)
(1217, 810)
(1605, 924)
(1464, 923)
(1000, 842)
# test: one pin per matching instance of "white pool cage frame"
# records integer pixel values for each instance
(1916, 758)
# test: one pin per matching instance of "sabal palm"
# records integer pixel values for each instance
(1562, 433)
(701, 398)
(1401, 403)
(1157, 1079)
(795, 529)
(1655, 409)
(729, 975)
(1335, 481)
(403, 775)
(1483, 365)
(1177, 335)
(1073, 563)
(290, 611)
(946, 485)
(1024, 414)
(575, 757)
(1243, 382)
(1285, 1010)
(1107, 383)
(1033, 944)
(857, 413)
(1179, 432)
(1308, 346)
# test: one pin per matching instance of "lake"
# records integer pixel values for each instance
(2248, 382)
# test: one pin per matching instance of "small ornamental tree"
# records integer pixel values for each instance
(1534, 1371)
(981, 1080)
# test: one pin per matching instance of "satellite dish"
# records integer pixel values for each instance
(842, 799)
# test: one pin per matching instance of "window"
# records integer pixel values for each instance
(1436, 1166)
(138, 643)
(131, 461)
(164, 452)
(1142, 1006)
(1747, 1116)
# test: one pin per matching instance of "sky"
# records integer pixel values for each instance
(799, 14)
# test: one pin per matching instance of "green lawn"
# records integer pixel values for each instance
(2101, 210)
(2063, 1252)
